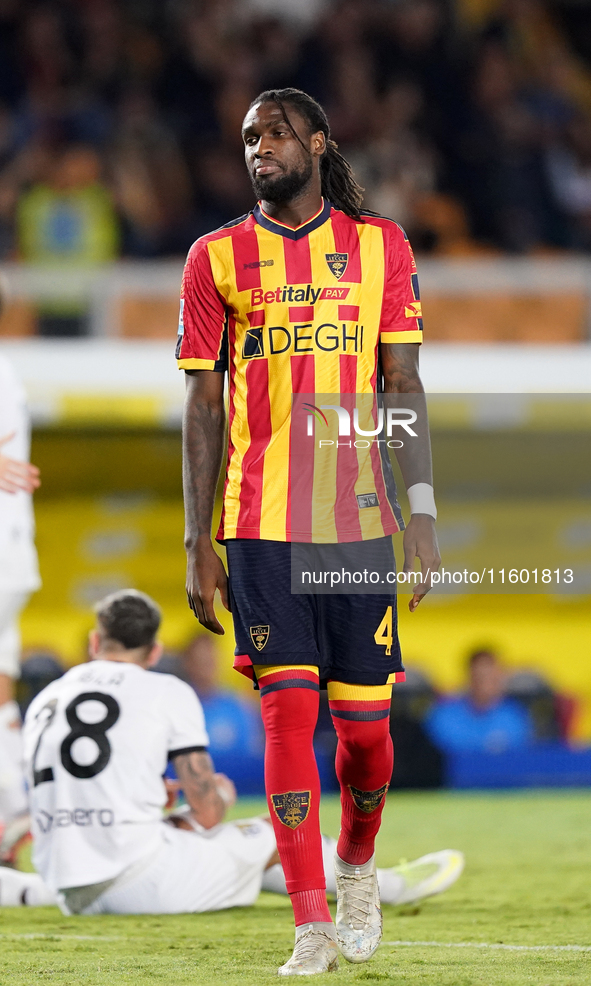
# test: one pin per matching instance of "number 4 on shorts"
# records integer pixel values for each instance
(383, 635)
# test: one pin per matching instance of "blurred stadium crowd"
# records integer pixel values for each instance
(468, 122)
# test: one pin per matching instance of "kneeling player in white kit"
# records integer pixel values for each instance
(97, 742)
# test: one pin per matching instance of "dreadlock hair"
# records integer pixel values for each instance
(338, 183)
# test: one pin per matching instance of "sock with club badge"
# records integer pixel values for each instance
(289, 708)
(364, 761)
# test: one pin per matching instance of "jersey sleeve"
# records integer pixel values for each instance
(13, 414)
(401, 319)
(202, 319)
(187, 722)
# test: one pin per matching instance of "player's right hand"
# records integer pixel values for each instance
(16, 476)
(205, 574)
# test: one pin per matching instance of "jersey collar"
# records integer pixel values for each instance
(300, 231)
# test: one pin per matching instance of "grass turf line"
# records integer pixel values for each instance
(526, 883)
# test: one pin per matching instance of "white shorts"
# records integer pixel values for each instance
(193, 873)
(11, 604)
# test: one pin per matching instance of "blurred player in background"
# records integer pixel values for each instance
(307, 294)
(19, 576)
(97, 743)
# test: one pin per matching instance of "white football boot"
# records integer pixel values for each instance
(23, 889)
(314, 952)
(423, 877)
(359, 917)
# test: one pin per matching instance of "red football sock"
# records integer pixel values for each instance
(289, 707)
(364, 763)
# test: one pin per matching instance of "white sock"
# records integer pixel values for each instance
(364, 869)
(326, 926)
(274, 879)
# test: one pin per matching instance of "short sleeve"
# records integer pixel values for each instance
(202, 318)
(401, 319)
(187, 730)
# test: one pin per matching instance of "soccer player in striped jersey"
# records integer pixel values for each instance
(308, 294)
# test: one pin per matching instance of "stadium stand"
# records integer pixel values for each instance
(469, 122)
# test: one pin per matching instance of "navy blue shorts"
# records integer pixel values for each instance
(350, 637)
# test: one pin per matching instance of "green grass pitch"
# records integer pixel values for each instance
(527, 883)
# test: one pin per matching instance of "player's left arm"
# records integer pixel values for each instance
(400, 365)
(208, 795)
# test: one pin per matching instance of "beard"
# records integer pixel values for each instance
(284, 187)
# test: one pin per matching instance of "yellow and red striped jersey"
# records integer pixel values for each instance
(299, 312)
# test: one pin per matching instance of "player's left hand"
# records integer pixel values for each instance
(420, 541)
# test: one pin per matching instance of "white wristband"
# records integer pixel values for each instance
(421, 499)
(226, 798)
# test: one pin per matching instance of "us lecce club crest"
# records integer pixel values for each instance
(368, 801)
(337, 263)
(292, 807)
(260, 635)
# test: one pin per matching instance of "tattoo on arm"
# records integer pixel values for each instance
(195, 773)
(400, 363)
(203, 445)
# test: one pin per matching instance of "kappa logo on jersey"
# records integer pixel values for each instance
(337, 263)
(368, 801)
(413, 310)
(292, 807)
(260, 635)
